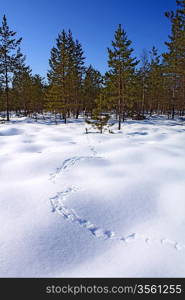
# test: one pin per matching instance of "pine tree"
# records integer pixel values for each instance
(135, 106)
(38, 90)
(57, 75)
(66, 72)
(121, 68)
(175, 57)
(21, 86)
(9, 56)
(53, 102)
(100, 118)
(155, 81)
(79, 71)
(142, 76)
(70, 74)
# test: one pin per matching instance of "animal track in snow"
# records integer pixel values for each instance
(94, 152)
(91, 147)
(70, 162)
(57, 203)
(69, 214)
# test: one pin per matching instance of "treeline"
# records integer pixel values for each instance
(130, 87)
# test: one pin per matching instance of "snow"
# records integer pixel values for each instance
(89, 205)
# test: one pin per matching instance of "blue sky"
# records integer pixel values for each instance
(93, 22)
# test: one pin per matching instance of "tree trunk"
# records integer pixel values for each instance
(119, 121)
(77, 114)
(173, 112)
(7, 94)
(119, 102)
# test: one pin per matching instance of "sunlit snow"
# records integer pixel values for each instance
(92, 205)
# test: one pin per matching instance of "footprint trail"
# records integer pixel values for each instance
(70, 162)
(58, 206)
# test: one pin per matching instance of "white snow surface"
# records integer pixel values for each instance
(91, 205)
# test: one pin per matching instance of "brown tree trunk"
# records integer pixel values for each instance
(7, 93)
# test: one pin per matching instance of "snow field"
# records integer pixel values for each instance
(81, 205)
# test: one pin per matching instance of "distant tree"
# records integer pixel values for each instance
(9, 56)
(38, 92)
(155, 81)
(92, 85)
(143, 75)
